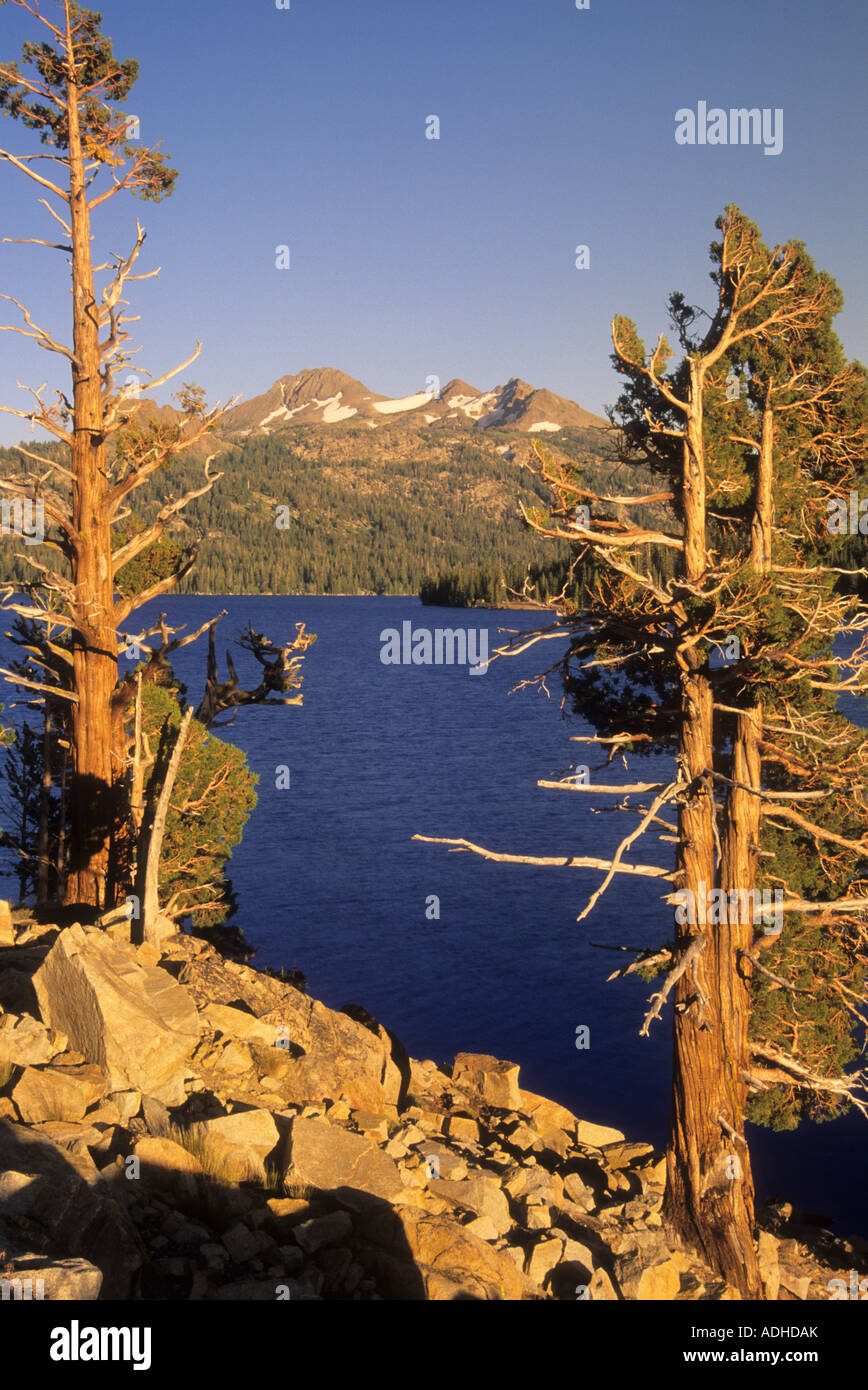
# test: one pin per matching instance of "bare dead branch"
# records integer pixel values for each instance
(658, 1000)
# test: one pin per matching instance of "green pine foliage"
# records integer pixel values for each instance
(822, 958)
(162, 558)
(100, 74)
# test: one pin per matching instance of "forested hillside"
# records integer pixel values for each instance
(344, 509)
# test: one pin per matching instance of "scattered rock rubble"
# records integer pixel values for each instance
(177, 1125)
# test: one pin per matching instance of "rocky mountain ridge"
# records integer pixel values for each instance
(177, 1125)
(327, 396)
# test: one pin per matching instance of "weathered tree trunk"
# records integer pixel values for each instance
(137, 781)
(151, 840)
(739, 848)
(742, 820)
(706, 1204)
(93, 796)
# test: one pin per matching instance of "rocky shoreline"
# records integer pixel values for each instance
(177, 1125)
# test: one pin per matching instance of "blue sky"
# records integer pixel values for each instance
(456, 257)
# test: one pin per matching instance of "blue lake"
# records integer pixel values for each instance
(329, 879)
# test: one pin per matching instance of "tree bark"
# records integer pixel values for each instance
(742, 820)
(93, 795)
(137, 782)
(709, 1192)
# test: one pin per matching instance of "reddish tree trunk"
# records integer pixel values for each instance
(709, 1193)
(740, 836)
(93, 798)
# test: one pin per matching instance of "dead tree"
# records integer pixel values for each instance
(281, 674)
(150, 842)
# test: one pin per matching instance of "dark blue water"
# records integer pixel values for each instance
(329, 880)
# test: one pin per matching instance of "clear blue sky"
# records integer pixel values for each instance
(412, 257)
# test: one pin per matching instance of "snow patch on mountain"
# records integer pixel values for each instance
(405, 403)
(333, 412)
(544, 425)
(281, 413)
(472, 406)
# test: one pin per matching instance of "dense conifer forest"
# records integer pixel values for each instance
(325, 513)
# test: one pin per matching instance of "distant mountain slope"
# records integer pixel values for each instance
(328, 487)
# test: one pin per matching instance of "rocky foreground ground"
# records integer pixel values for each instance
(177, 1125)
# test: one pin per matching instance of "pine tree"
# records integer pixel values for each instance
(115, 562)
(759, 749)
(68, 95)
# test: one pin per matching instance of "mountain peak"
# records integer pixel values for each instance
(321, 383)
(457, 387)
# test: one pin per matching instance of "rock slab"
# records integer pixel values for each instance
(132, 1021)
